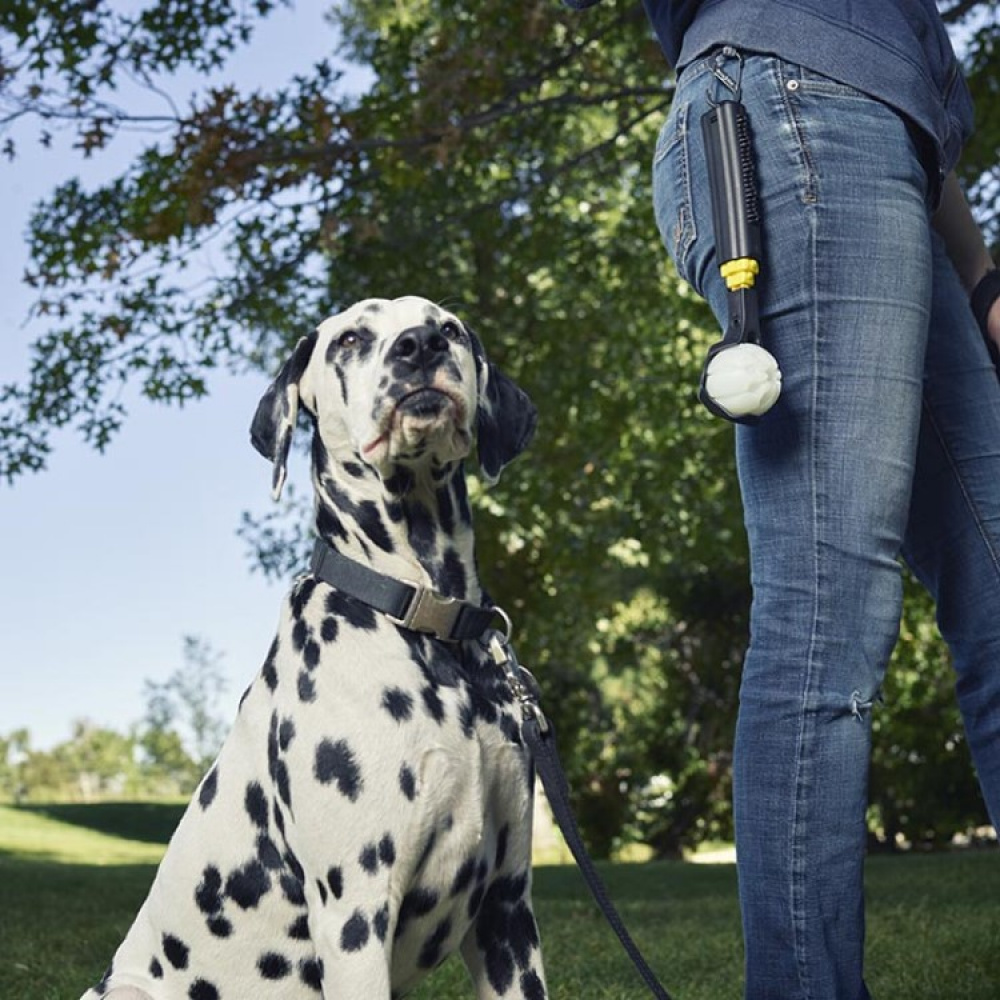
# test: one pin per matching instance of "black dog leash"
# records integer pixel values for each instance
(413, 606)
(539, 735)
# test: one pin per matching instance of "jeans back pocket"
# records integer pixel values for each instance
(672, 203)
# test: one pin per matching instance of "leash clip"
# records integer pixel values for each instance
(515, 674)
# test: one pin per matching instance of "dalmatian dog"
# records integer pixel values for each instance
(370, 811)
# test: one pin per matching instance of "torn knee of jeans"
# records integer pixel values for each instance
(860, 706)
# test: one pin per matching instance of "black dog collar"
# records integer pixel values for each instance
(409, 605)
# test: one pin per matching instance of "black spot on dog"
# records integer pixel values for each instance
(399, 484)
(433, 704)
(499, 968)
(481, 706)
(176, 951)
(311, 654)
(531, 986)
(501, 854)
(329, 629)
(300, 633)
(246, 886)
(323, 891)
(451, 577)
(311, 973)
(329, 525)
(282, 780)
(439, 668)
(220, 927)
(335, 879)
(416, 903)
(307, 688)
(255, 803)
(355, 933)
(206, 794)
(398, 703)
(446, 510)
(355, 469)
(341, 381)
(464, 876)
(368, 859)
(370, 521)
(268, 853)
(387, 851)
(407, 782)
(294, 866)
(155, 970)
(299, 929)
(364, 513)
(430, 953)
(428, 850)
(293, 890)
(202, 989)
(462, 501)
(273, 966)
(268, 671)
(208, 895)
(300, 596)
(505, 931)
(335, 762)
(394, 511)
(422, 530)
(380, 922)
(286, 733)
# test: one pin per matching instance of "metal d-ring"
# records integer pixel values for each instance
(508, 624)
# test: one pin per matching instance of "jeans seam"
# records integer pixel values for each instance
(806, 724)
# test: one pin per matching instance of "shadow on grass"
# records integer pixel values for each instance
(147, 822)
(61, 923)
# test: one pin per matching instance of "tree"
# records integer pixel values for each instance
(94, 763)
(499, 161)
(14, 750)
(182, 732)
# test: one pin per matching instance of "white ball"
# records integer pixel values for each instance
(744, 380)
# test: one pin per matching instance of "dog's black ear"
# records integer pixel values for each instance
(274, 422)
(505, 419)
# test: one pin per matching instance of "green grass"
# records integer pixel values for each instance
(69, 890)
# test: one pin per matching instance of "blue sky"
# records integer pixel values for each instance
(107, 561)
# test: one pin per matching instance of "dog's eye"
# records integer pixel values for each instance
(451, 329)
(348, 338)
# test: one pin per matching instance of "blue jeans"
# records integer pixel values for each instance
(885, 441)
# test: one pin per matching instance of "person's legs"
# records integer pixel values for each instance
(826, 479)
(953, 536)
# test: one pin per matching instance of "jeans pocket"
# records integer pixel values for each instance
(672, 202)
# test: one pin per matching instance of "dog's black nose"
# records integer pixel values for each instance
(419, 347)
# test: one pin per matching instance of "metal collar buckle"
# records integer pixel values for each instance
(429, 611)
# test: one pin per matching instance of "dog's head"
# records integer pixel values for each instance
(394, 384)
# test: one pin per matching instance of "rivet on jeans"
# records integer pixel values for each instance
(792, 85)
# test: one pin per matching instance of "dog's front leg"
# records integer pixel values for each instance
(501, 949)
(355, 963)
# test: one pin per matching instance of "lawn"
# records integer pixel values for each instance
(71, 879)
